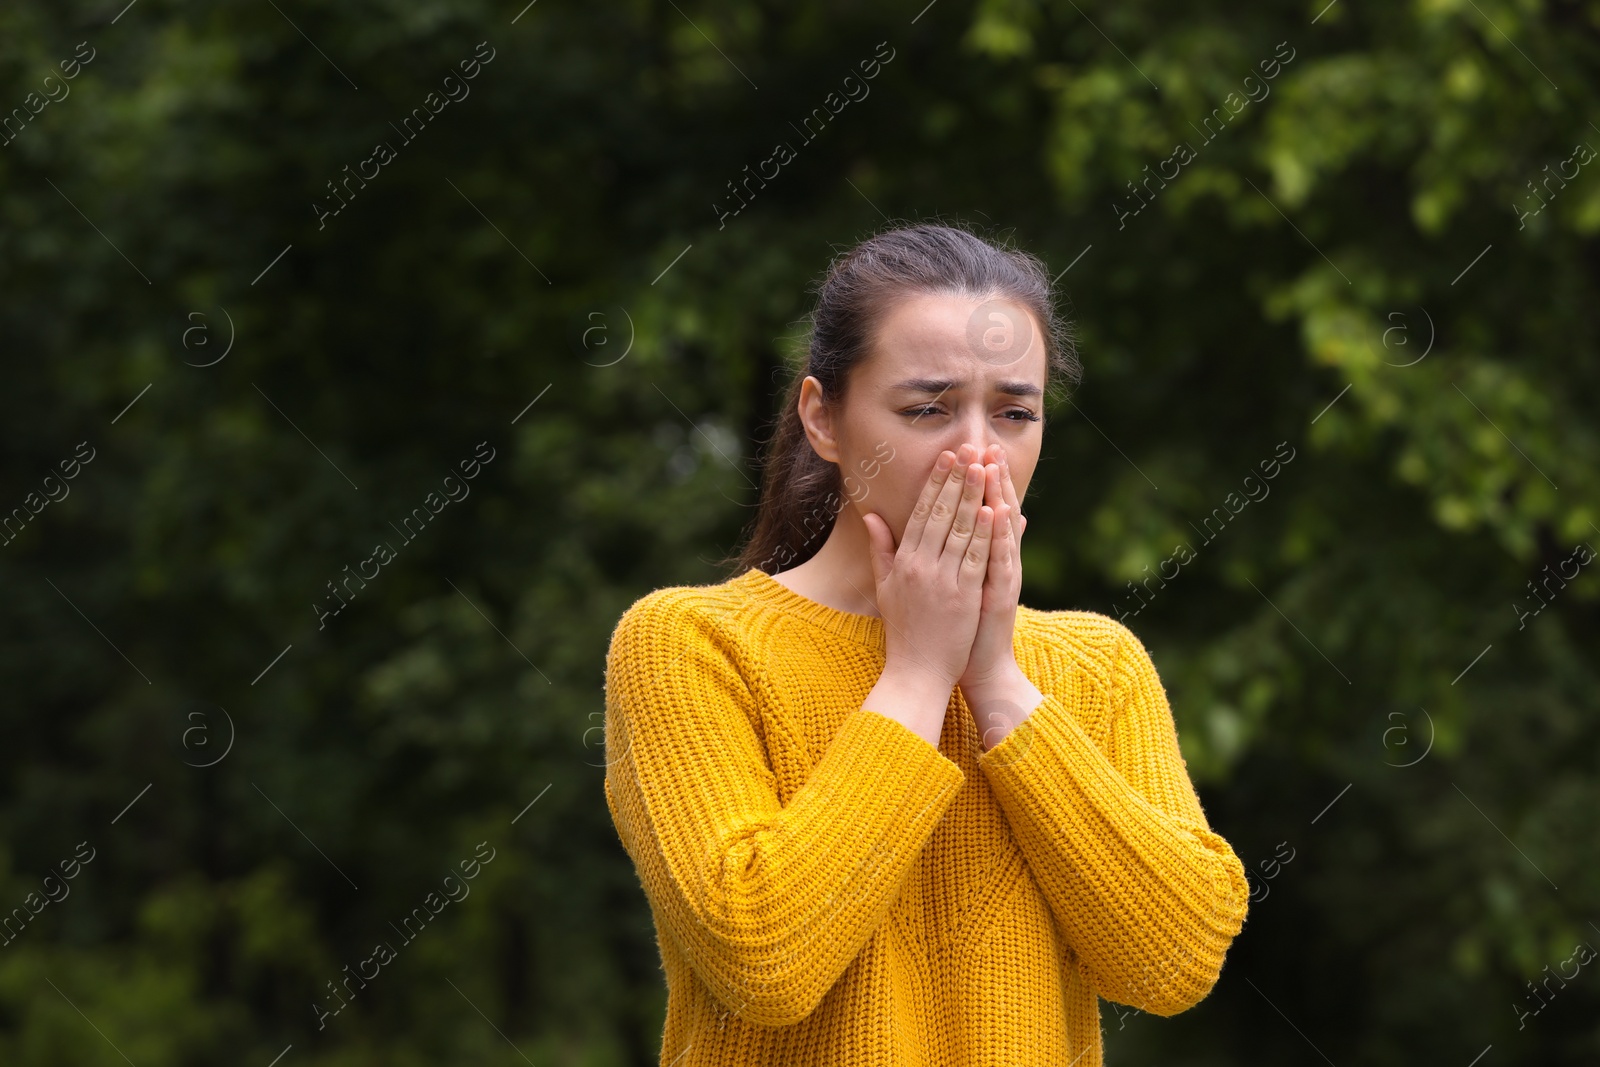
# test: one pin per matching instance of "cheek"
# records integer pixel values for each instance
(1020, 480)
(877, 486)
(893, 493)
(1022, 468)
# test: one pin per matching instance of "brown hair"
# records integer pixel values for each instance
(801, 491)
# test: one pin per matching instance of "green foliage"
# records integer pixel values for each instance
(1376, 204)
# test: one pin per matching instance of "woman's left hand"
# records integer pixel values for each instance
(992, 660)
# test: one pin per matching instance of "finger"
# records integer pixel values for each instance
(1010, 494)
(1015, 524)
(1003, 546)
(993, 496)
(917, 524)
(942, 515)
(975, 560)
(964, 524)
(994, 486)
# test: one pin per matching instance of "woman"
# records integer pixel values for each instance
(883, 813)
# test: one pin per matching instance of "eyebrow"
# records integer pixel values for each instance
(944, 385)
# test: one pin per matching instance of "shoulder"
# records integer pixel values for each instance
(688, 640)
(1097, 644)
(678, 615)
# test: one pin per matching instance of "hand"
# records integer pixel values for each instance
(992, 659)
(930, 588)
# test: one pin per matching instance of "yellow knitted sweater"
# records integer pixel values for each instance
(830, 889)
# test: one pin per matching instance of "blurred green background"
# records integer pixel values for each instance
(1378, 255)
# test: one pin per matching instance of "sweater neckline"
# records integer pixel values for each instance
(862, 629)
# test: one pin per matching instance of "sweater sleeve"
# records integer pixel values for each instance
(768, 902)
(1146, 894)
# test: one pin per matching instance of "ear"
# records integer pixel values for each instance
(817, 420)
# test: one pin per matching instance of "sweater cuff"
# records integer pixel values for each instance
(882, 757)
(1049, 749)
(1049, 772)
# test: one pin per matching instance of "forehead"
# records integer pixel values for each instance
(956, 339)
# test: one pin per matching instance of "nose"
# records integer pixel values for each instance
(977, 431)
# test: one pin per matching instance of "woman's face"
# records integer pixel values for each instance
(945, 370)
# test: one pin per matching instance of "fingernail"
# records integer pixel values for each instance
(944, 461)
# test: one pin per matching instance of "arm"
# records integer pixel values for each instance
(769, 902)
(1146, 894)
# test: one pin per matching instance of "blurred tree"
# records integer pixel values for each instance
(1366, 237)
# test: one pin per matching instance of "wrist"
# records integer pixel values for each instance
(915, 697)
(999, 706)
(994, 677)
(918, 679)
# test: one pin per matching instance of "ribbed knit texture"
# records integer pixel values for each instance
(830, 889)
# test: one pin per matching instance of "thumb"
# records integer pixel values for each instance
(881, 543)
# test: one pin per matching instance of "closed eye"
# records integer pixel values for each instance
(1014, 414)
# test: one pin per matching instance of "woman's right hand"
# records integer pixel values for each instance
(930, 587)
